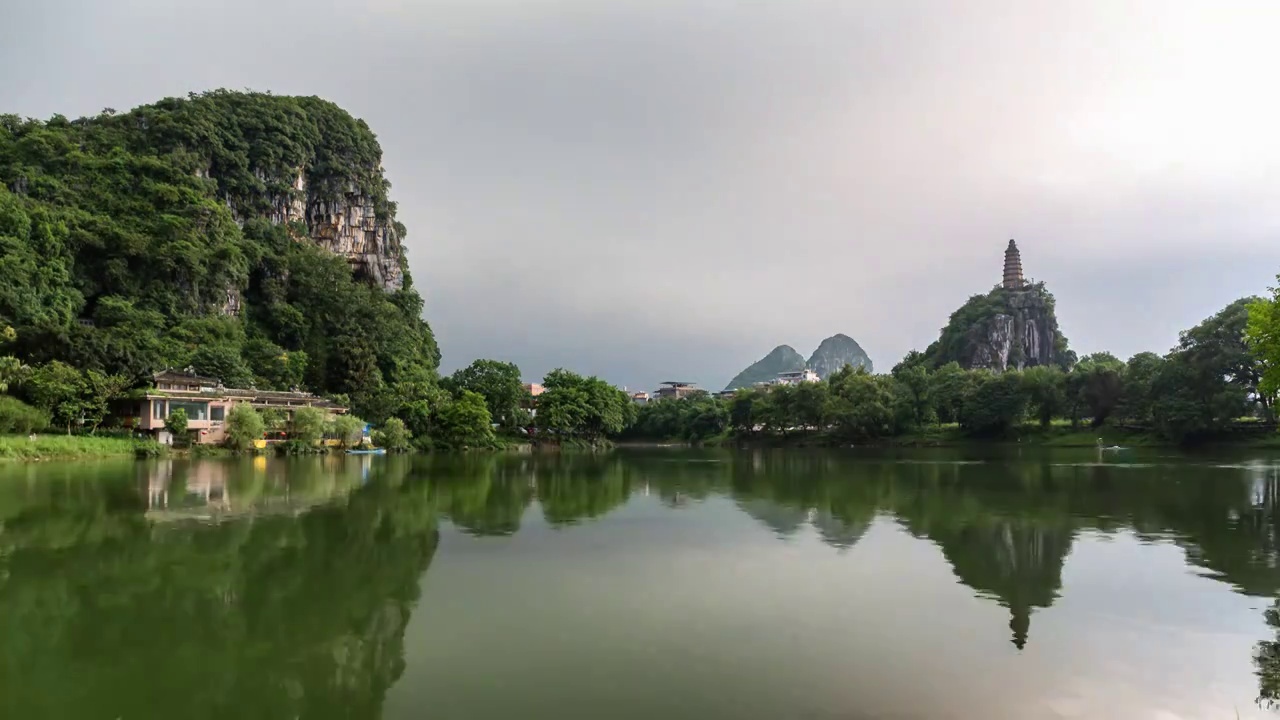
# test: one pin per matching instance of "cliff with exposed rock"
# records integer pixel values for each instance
(1008, 328)
(246, 235)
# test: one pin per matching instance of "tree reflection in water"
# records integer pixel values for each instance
(282, 588)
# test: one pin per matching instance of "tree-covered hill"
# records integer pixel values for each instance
(246, 235)
(783, 358)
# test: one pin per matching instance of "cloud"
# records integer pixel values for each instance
(658, 189)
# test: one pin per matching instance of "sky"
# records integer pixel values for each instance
(653, 190)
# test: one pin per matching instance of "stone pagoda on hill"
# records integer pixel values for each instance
(1010, 328)
(1013, 279)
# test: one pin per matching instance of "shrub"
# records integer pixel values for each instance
(20, 418)
(393, 435)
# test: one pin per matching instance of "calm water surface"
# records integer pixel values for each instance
(769, 585)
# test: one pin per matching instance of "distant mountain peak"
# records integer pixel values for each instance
(837, 351)
(782, 358)
(832, 354)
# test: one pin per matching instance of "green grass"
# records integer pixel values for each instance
(70, 447)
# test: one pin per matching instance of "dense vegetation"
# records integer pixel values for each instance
(150, 239)
(1220, 372)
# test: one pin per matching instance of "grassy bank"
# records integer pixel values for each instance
(72, 447)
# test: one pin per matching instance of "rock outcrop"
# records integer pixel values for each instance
(1004, 329)
(783, 358)
(835, 352)
(344, 221)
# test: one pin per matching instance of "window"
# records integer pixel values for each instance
(217, 413)
(194, 410)
(157, 409)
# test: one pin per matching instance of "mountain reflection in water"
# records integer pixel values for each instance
(283, 588)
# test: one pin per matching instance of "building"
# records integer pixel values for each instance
(1013, 279)
(207, 404)
(676, 390)
(795, 377)
(640, 398)
(530, 400)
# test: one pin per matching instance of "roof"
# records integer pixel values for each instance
(676, 383)
(186, 376)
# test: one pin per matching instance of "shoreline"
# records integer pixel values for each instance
(46, 448)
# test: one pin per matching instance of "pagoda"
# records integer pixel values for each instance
(1013, 279)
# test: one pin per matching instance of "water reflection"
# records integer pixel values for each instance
(125, 610)
(283, 588)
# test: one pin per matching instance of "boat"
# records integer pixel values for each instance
(371, 451)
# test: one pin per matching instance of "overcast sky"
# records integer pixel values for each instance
(651, 190)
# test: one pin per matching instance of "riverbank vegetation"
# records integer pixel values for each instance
(63, 447)
(1218, 384)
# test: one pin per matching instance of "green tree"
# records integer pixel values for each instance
(307, 426)
(349, 430)
(583, 407)
(1045, 389)
(274, 420)
(393, 435)
(914, 404)
(1137, 397)
(1221, 342)
(997, 403)
(465, 421)
(1099, 384)
(1192, 401)
(498, 383)
(862, 404)
(176, 424)
(244, 427)
(99, 389)
(1262, 336)
(948, 386)
(742, 411)
(224, 363)
(58, 389)
(10, 371)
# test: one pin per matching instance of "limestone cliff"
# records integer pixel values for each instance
(835, 352)
(1008, 328)
(783, 358)
(344, 220)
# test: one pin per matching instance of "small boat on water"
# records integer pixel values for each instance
(371, 451)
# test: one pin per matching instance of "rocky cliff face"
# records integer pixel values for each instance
(343, 221)
(1005, 329)
(783, 358)
(835, 352)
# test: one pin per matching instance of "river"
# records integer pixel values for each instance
(981, 583)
